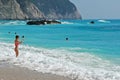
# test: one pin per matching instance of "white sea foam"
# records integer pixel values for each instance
(17, 22)
(78, 66)
(104, 21)
(66, 22)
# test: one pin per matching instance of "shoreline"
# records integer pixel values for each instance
(11, 72)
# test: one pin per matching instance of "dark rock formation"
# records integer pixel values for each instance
(43, 22)
(92, 22)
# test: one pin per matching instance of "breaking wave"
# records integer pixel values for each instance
(76, 65)
(104, 21)
(12, 22)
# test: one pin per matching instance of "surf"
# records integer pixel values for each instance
(76, 65)
(12, 22)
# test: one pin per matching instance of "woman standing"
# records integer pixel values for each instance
(17, 42)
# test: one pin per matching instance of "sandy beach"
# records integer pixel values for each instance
(10, 72)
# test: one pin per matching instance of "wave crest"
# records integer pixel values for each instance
(16, 22)
(104, 21)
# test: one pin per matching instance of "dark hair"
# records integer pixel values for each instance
(17, 36)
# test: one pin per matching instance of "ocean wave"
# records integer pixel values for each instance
(104, 21)
(78, 66)
(66, 22)
(16, 22)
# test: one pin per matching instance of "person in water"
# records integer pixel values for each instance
(17, 42)
(67, 39)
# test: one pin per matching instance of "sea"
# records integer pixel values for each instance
(77, 49)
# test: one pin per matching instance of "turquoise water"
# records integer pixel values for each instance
(99, 41)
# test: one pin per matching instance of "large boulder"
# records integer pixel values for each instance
(43, 22)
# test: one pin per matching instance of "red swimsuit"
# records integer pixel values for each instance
(17, 43)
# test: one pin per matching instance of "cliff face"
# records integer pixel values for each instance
(35, 9)
(18, 9)
(57, 8)
(9, 11)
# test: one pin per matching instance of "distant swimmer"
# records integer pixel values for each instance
(8, 32)
(92, 22)
(15, 33)
(67, 39)
(17, 42)
(23, 36)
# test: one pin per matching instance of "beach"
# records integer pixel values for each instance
(11, 72)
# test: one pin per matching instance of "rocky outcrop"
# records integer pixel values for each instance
(36, 9)
(30, 10)
(43, 22)
(10, 9)
(58, 9)
(18, 9)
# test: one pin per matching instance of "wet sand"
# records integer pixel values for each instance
(10, 72)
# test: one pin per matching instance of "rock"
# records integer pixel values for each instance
(30, 10)
(36, 9)
(8, 11)
(43, 22)
(58, 9)
(92, 22)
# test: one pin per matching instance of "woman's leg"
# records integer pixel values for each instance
(17, 52)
